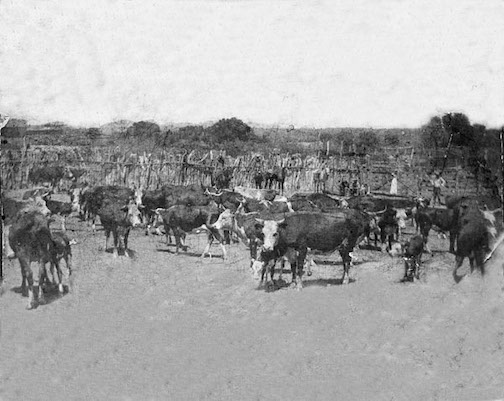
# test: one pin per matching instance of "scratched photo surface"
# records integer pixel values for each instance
(252, 200)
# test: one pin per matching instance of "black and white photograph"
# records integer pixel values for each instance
(252, 200)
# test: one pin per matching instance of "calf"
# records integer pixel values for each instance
(412, 252)
(31, 240)
(181, 219)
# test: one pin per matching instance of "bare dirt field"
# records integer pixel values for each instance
(162, 326)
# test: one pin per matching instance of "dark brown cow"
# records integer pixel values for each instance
(472, 241)
(31, 240)
(182, 219)
(300, 231)
(10, 210)
(49, 174)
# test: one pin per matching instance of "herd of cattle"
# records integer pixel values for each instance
(275, 228)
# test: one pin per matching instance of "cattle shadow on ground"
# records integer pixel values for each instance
(190, 254)
(370, 247)
(51, 293)
(123, 252)
(325, 282)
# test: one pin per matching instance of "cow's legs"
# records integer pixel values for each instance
(115, 240)
(42, 274)
(345, 256)
(59, 274)
(107, 235)
(8, 250)
(300, 260)
(207, 248)
(458, 262)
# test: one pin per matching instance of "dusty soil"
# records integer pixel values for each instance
(164, 326)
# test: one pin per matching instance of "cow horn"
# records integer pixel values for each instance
(260, 221)
(377, 213)
(207, 192)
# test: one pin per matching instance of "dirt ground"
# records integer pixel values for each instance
(162, 326)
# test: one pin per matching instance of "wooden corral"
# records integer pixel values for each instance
(110, 166)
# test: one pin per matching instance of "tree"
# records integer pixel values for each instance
(391, 139)
(367, 142)
(459, 125)
(230, 130)
(143, 130)
(433, 134)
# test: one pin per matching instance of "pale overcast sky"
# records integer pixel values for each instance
(308, 63)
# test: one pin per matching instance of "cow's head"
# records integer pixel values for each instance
(133, 214)
(225, 220)
(271, 232)
(40, 205)
(138, 195)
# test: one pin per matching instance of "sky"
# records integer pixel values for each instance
(353, 63)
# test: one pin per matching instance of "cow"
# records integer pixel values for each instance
(49, 174)
(389, 226)
(63, 209)
(472, 242)
(445, 219)
(226, 199)
(10, 210)
(118, 219)
(373, 203)
(276, 178)
(152, 200)
(252, 205)
(36, 192)
(62, 250)
(182, 218)
(258, 179)
(411, 251)
(31, 240)
(258, 194)
(93, 199)
(315, 201)
(340, 230)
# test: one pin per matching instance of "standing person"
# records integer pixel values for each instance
(393, 185)
(437, 183)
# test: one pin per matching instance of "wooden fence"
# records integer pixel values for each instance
(106, 166)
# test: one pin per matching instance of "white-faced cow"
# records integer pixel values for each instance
(340, 230)
(118, 219)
